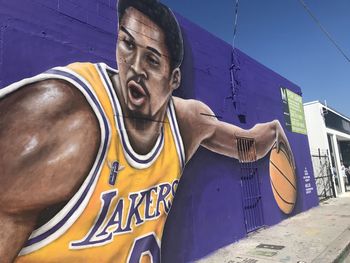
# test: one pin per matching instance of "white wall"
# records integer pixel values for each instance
(316, 129)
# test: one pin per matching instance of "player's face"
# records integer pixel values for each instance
(144, 65)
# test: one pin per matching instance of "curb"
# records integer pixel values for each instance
(337, 251)
(343, 254)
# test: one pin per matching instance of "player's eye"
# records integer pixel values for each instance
(129, 44)
(152, 60)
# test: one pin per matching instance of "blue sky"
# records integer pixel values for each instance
(282, 36)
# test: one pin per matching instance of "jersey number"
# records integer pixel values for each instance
(142, 246)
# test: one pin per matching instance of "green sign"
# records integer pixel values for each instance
(293, 111)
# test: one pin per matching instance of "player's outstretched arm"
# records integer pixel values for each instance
(199, 126)
(49, 137)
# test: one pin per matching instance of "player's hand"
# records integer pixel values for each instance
(282, 141)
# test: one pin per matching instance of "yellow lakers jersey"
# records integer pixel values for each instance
(118, 214)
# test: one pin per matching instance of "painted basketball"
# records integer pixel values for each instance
(283, 179)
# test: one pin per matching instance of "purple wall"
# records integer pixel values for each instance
(207, 212)
(39, 34)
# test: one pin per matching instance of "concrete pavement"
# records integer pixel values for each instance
(320, 235)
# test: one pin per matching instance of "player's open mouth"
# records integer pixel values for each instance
(137, 94)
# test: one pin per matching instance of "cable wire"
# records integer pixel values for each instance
(324, 30)
(235, 25)
(234, 63)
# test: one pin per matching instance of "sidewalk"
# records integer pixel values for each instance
(320, 235)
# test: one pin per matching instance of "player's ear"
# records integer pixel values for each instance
(175, 78)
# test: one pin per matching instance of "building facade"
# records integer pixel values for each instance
(329, 134)
(219, 199)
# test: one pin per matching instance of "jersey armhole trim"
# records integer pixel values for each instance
(176, 133)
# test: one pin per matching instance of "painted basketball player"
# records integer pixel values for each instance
(91, 157)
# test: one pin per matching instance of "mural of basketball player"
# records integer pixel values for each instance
(91, 157)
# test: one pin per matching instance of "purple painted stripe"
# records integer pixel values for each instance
(118, 114)
(84, 194)
(177, 136)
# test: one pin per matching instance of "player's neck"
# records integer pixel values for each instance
(142, 132)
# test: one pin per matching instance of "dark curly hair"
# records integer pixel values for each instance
(165, 19)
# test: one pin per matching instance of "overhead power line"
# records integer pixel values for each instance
(324, 30)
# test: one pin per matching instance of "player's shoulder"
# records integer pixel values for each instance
(196, 123)
(47, 100)
(191, 109)
(51, 94)
(184, 105)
